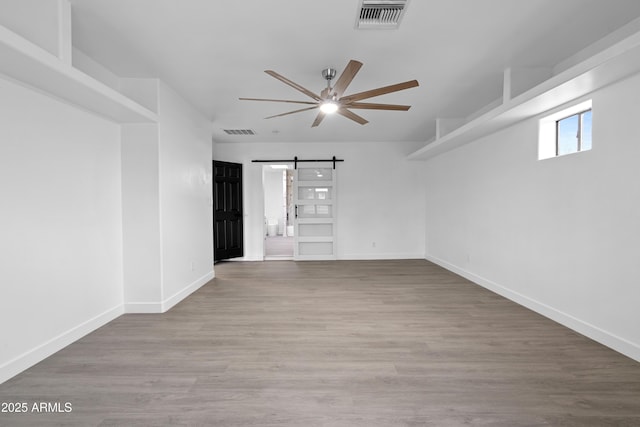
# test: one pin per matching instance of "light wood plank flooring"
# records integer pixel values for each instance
(346, 343)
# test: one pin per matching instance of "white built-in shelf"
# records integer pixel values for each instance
(29, 64)
(610, 65)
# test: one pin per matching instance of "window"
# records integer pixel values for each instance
(573, 133)
(566, 131)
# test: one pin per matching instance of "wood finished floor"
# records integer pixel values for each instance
(347, 343)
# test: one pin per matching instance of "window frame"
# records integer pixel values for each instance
(548, 127)
(580, 115)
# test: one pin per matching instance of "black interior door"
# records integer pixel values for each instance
(227, 210)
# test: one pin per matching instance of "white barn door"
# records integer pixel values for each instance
(315, 210)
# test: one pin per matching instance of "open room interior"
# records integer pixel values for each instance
(186, 226)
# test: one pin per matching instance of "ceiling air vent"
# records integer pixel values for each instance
(381, 14)
(239, 132)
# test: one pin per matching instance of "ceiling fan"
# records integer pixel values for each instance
(331, 99)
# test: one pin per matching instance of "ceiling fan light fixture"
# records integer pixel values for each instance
(331, 99)
(329, 107)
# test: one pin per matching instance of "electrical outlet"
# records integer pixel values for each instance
(193, 265)
(373, 244)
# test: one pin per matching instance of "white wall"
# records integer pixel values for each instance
(186, 213)
(36, 20)
(60, 222)
(95, 216)
(167, 213)
(142, 257)
(380, 195)
(558, 235)
(91, 67)
(90, 226)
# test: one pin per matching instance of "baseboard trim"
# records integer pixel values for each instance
(344, 257)
(41, 352)
(597, 334)
(143, 307)
(156, 307)
(182, 294)
(381, 256)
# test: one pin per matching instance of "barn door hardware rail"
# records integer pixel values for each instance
(296, 160)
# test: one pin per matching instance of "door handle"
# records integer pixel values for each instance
(296, 211)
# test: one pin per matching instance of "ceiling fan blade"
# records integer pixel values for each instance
(379, 91)
(346, 77)
(370, 106)
(291, 112)
(351, 115)
(318, 119)
(278, 100)
(293, 85)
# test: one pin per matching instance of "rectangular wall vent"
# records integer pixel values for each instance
(239, 132)
(381, 14)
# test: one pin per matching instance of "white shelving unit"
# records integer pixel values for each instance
(29, 64)
(610, 65)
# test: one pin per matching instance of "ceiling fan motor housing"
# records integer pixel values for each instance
(329, 73)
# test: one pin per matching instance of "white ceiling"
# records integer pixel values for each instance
(213, 52)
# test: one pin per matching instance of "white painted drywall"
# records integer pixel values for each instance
(143, 91)
(91, 67)
(167, 213)
(380, 195)
(36, 20)
(60, 222)
(141, 218)
(90, 226)
(557, 235)
(186, 214)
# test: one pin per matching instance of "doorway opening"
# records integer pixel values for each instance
(277, 184)
(227, 210)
